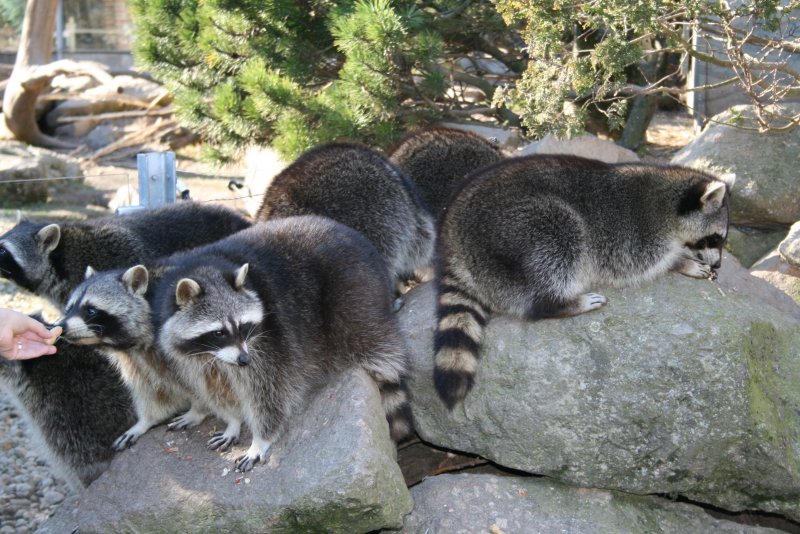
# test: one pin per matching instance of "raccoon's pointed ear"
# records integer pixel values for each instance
(21, 217)
(240, 275)
(728, 179)
(89, 272)
(713, 196)
(135, 279)
(48, 237)
(186, 292)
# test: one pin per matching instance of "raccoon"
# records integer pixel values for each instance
(75, 405)
(111, 311)
(50, 260)
(260, 320)
(438, 161)
(529, 236)
(360, 188)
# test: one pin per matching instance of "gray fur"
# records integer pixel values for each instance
(528, 237)
(439, 160)
(110, 311)
(50, 259)
(360, 188)
(258, 321)
(75, 405)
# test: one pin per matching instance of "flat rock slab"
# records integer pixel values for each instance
(333, 471)
(679, 386)
(470, 503)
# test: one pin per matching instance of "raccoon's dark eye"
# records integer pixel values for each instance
(90, 311)
(218, 334)
(2, 251)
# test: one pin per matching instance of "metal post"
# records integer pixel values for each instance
(60, 30)
(157, 179)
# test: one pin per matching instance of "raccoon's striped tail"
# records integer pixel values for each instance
(459, 332)
(389, 375)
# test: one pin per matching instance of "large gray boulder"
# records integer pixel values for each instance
(774, 269)
(679, 386)
(333, 471)
(767, 185)
(586, 146)
(24, 169)
(492, 503)
(751, 244)
(789, 248)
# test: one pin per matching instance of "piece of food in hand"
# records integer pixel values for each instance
(56, 332)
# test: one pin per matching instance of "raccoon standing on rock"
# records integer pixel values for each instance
(258, 322)
(529, 236)
(111, 311)
(438, 161)
(358, 187)
(75, 405)
(50, 260)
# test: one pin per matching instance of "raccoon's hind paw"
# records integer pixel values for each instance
(222, 441)
(695, 268)
(188, 420)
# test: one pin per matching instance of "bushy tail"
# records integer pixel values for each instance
(459, 332)
(389, 372)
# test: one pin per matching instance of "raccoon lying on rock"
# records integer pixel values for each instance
(530, 236)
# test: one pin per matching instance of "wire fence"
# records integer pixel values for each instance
(235, 183)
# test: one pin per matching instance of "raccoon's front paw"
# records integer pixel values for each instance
(591, 301)
(126, 440)
(222, 441)
(246, 462)
(256, 453)
(695, 268)
(188, 420)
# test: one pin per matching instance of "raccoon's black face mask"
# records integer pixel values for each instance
(11, 270)
(709, 249)
(708, 214)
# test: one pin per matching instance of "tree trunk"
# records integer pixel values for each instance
(24, 85)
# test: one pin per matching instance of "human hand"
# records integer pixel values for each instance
(22, 337)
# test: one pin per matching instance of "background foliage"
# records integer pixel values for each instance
(297, 73)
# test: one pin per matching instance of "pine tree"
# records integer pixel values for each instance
(294, 74)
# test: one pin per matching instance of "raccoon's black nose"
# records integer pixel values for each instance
(716, 264)
(243, 359)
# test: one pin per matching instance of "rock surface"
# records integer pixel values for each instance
(503, 136)
(679, 386)
(767, 188)
(468, 503)
(23, 168)
(333, 471)
(789, 248)
(751, 244)
(587, 146)
(779, 273)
